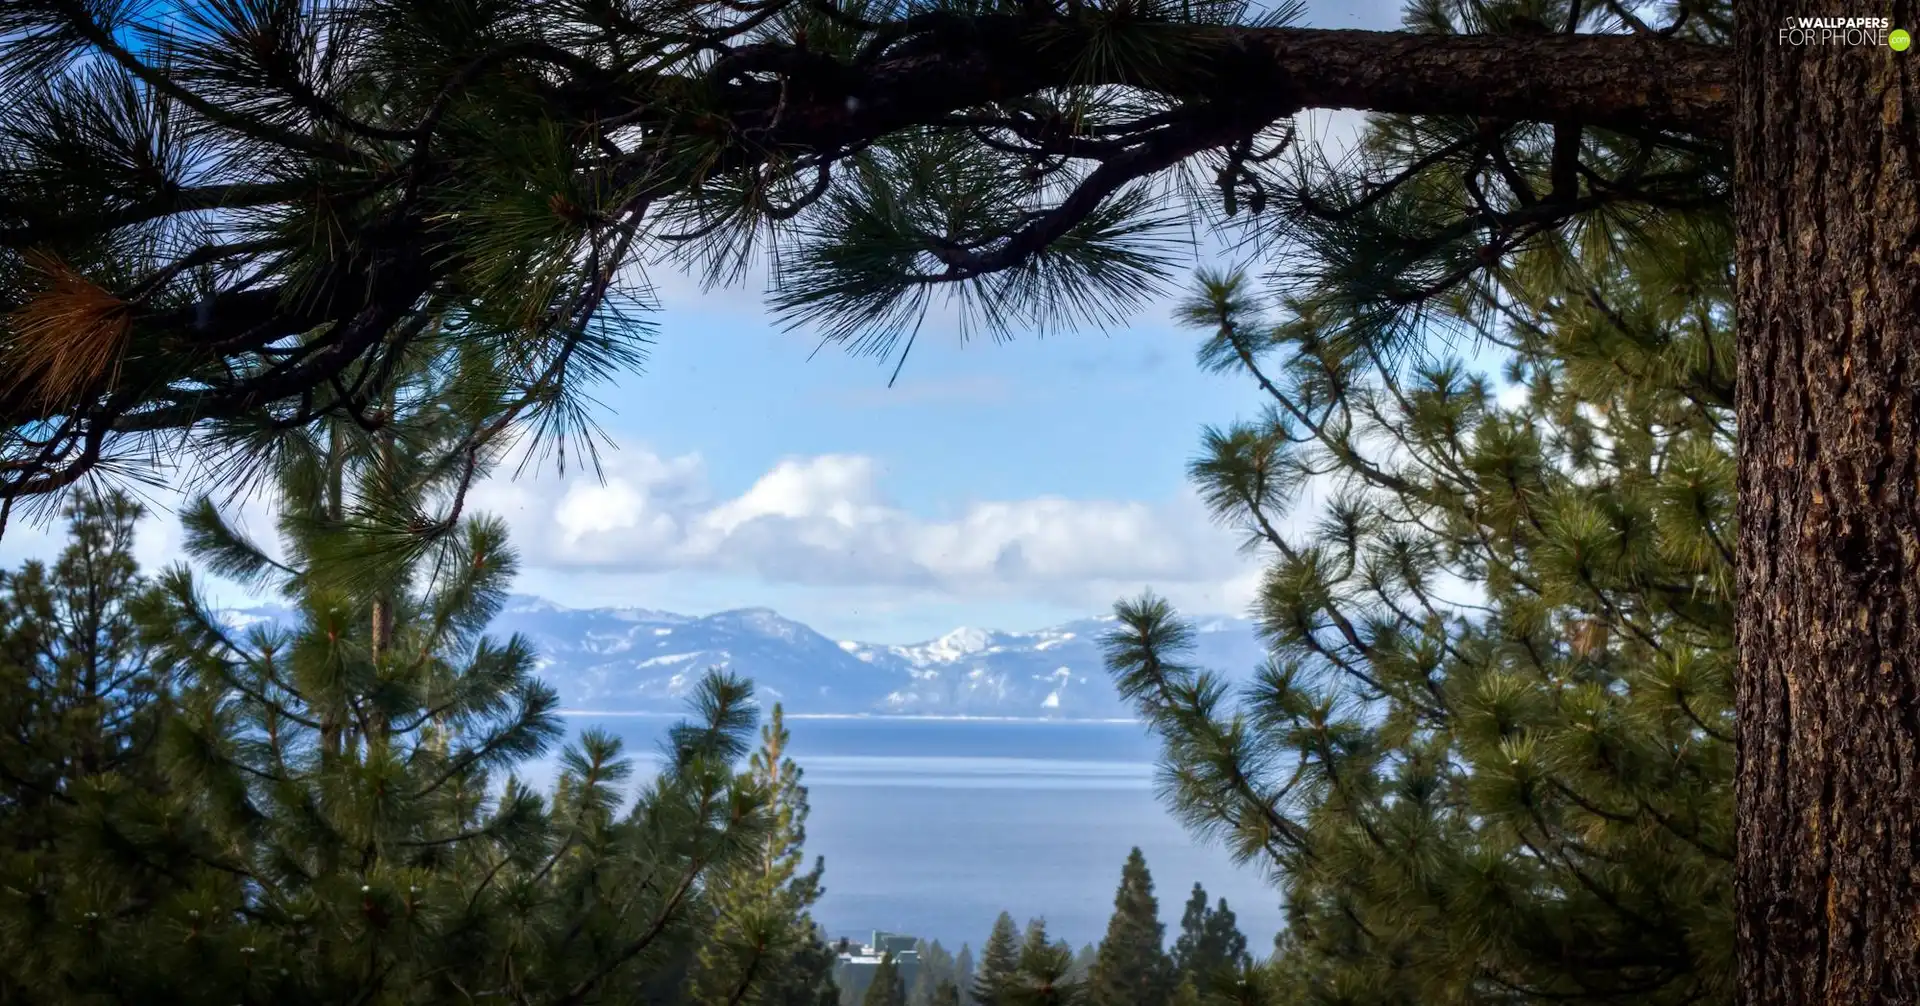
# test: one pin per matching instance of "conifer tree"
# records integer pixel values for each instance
(1224, 946)
(761, 922)
(82, 703)
(1210, 940)
(920, 992)
(1131, 968)
(887, 987)
(1036, 943)
(963, 972)
(936, 968)
(1083, 961)
(808, 980)
(80, 688)
(947, 993)
(999, 957)
(329, 824)
(1193, 922)
(1043, 974)
(1491, 754)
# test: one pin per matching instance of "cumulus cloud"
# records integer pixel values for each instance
(825, 521)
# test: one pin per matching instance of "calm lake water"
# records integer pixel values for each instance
(933, 827)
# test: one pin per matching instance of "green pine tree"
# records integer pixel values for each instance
(1132, 968)
(999, 957)
(1188, 946)
(761, 922)
(82, 705)
(936, 968)
(1083, 961)
(808, 978)
(1035, 945)
(947, 993)
(1043, 976)
(963, 972)
(1210, 941)
(326, 820)
(1492, 754)
(887, 987)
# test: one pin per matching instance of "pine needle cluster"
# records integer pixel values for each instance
(218, 218)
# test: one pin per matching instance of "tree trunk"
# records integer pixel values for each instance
(1828, 206)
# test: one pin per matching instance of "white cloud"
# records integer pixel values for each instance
(824, 522)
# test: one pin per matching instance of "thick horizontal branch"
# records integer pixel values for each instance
(1610, 81)
(1618, 81)
(777, 106)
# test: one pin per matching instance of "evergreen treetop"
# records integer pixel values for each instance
(1210, 940)
(1043, 976)
(936, 968)
(1131, 968)
(761, 923)
(963, 971)
(82, 706)
(1036, 942)
(999, 958)
(887, 987)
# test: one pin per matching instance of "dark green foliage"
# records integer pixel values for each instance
(887, 987)
(1043, 975)
(80, 690)
(1131, 968)
(807, 976)
(1035, 944)
(947, 993)
(1210, 941)
(82, 703)
(666, 981)
(998, 960)
(384, 180)
(323, 817)
(246, 215)
(1491, 755)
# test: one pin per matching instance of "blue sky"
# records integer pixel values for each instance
(1008, 485)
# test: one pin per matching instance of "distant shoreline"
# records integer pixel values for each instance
(901, 717)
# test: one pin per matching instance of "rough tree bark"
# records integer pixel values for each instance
(1828, 205)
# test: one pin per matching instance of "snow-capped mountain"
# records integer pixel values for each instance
(638, 660)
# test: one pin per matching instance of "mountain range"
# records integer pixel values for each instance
(635, 660)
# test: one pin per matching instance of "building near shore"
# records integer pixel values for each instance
(854, 967)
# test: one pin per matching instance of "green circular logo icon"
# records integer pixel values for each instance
(1899, 40)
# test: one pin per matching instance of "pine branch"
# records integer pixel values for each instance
(376, 258)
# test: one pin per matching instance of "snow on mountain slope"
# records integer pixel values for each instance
(638, 660)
